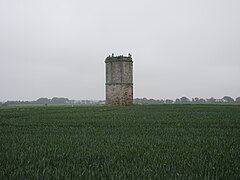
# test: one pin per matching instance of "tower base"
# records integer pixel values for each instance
(119, 94)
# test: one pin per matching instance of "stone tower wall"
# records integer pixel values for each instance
(119, 80)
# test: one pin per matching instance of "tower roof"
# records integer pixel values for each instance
(112, 58)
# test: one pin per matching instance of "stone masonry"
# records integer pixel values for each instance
(119, 80)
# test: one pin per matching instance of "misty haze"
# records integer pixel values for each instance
(130, 89)
(180, 48)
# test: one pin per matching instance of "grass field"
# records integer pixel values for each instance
(103, 142)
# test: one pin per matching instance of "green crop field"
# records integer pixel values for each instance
(129, 142)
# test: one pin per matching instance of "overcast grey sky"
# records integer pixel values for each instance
(180, 47)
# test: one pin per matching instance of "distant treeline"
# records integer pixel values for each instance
(66, 101)
(185, 100)
(53, 101)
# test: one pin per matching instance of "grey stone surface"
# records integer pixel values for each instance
(119, 80)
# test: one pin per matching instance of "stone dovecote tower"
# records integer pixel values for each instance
(119, 80)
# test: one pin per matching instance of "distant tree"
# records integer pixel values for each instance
(160, 101)
(228, 99)
(73, 101)
(195, 100)
(57, 100)
(220, 101)
(43, 101)
(237, 100)
(211, 100)
(185, 100)
(137, 101)
(201, 101)
(169, 101)
(152, 101)
(177, 101)
(10, 103)
(148, 101)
